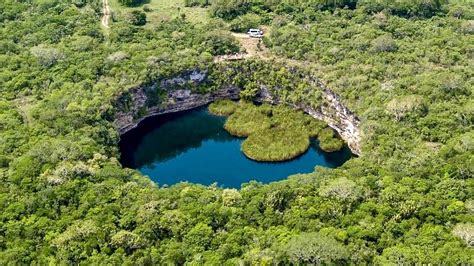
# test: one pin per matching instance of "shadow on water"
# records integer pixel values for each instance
(164, 137)
(192, 146)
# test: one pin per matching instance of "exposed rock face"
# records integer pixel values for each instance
(178, 100)
(333, 112)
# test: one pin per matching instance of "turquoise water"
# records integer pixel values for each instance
(192, 146)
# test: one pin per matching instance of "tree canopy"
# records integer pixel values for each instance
(404, 67)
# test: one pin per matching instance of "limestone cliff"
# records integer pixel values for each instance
(179, 98)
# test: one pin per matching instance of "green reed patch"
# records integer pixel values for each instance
(328, 142)
(274, 133)
(223, 107)
(272, 145)
(248, 119)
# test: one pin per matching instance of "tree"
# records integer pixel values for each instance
(342, 189)
(314, 248)
(199, 237)
(137, 18)
(131, 2)
(403, 106)
(127, 240)
(245, 22)
(465, 231)
(46, 56)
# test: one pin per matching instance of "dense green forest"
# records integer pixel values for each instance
(405, 67)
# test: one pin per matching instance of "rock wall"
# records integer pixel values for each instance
(333, 111)
(177, 100)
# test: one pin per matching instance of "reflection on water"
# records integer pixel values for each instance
(193, 146)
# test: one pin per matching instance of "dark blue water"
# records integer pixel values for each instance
(192, 146)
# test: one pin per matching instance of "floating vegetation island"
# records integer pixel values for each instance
(274, 133)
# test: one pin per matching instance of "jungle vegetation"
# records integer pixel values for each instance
(404, 67)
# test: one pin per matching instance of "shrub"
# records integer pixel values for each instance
(147, 8)
(46, 56)
(384, 43)
(220, 43)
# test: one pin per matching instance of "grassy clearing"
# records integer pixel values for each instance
(165, 10)
(274, 133)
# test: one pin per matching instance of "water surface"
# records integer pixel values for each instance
(192, 146)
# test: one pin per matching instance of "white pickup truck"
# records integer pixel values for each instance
(255, 33)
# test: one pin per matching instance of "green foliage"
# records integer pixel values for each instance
(384, 44)
(313, 248)
(246, 120)
(341, 189)
(405, 7)
(137, 18)
(219, 42)
(275, 133)
(201, 3)
(222, 107)
(328, 142)
(245, 22)
(229, 9)
(404, 67)
(132, 2)
(274, 145)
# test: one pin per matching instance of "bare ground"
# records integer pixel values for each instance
(106, 13)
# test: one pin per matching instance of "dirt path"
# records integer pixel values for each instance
(254, 47)
(106, 13)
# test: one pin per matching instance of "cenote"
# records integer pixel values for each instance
(192, 146)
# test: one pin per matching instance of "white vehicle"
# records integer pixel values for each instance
(255, 33)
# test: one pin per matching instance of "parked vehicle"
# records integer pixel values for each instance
(255, 33)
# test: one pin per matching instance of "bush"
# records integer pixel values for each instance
(229, 9)
(384, 43)
(467, 27)
(220, 42)
(147, 8)
(46, 56)
(193, 3)
(405, 8)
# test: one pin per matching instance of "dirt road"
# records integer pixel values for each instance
(105, 13)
